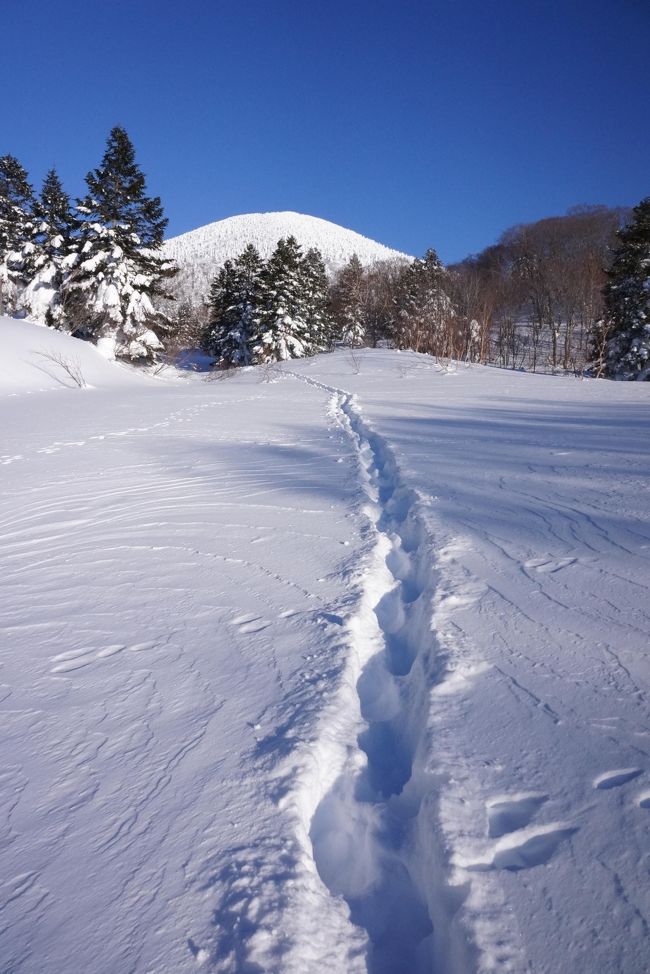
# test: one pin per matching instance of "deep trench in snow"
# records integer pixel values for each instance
(364, 833)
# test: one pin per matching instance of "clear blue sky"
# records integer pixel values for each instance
(416, 123)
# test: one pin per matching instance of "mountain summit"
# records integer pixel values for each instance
(199, 253)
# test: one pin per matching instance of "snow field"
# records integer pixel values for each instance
(165, 644)
(532, 489)
(28, 362)
(345, 671)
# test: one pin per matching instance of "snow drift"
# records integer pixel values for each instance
(34, 358)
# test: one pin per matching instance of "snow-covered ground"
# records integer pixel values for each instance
(336, 667)
(201, 252)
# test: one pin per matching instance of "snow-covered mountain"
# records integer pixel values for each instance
(199, 253)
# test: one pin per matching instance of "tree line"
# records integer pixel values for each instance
(563, 293)
(287, 308)
(566, 293)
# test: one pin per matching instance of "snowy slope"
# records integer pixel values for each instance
(34, 358)
(345, 671)
(201, 252)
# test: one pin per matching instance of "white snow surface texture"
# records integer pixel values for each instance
(345, 671)
(200, 253)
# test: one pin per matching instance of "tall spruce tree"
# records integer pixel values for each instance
(283, 327)
(627, 300)
(423, 306)
(235, 299)
(51, 254)
(348, 303)
(316, 297)
(16, 230)
(121, 270)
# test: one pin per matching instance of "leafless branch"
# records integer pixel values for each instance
(69, 365)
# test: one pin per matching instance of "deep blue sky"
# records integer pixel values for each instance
(416, 123)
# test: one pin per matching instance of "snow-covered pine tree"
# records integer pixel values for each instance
(51, 254)
(16, 230)
(423, 306)
(627, 300)
(234, 309)
(185, 326)
(221, 300)
(283, 327)
(349, 312)
(316, 296)
(109, 296)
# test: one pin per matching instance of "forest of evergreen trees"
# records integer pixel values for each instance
(570, 293)
(94, 270)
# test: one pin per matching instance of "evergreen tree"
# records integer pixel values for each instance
(283, 327)
(109, 296)
(627, 300)
(234, 308)
(348, 301)
(51, 254)
(16, 230)
(422, 306)
(185, 326)
(316, 297)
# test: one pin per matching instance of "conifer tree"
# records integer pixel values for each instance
(16, 230)
(185, 326)
(283, 328)
(627, 300)
(422, 305)
(349, 311)
(234, 308)
(51, 254)
(316, 298)
(121, 269)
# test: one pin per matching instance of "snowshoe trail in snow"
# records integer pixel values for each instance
(363, 830)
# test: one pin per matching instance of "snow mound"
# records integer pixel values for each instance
(39, 359)
(201, 252)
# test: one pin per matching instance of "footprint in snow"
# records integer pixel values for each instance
(644, 799)
(74, 660)
(250, 623)
(521, 849)
(614, 779)
(549, 565)
(507, 813)
(519, 845)
(110, 651)
(142, 647)
(77, 659)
